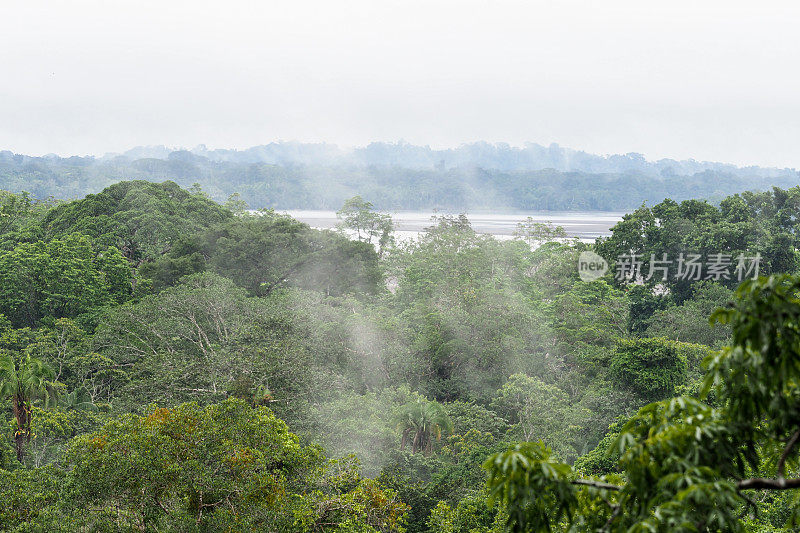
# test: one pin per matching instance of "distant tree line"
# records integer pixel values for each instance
(272, 180)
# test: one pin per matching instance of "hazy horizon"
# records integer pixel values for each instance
(710, 82)
(349, 149)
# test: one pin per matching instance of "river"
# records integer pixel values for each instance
(585, 225)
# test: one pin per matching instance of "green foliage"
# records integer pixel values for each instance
(353, 506)
(644, 303)
(460, 473)
(143, 220)
(357, 424)
(257, 252)
(236, 205)
(602, 460)
(221, 467)
(187, 256)
(535, 490)
(676, 455)
(471, 515)
(266, 251)
(681, 322)
(24, 380)
(593, 314)
(190, 463)
(539, 410)
(536, 233)
(373, 228)
(204, 340)
(53, 428)
(757, 375)
(685, 464)
(652, 368)
(60, 278)
(448, 282)
(421, 423)
(29, 500)
(751, 223)
(19, 217)
(409, 474)
(475, 417)
(263, 323)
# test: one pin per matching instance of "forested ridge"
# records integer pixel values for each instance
(170, 363)
(479, 176)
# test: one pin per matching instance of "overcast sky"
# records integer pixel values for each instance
(710, 80)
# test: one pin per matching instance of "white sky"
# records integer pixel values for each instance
(712, 80)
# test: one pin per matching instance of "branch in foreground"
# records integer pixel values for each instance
(757, 483)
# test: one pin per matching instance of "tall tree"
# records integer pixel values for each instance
(24, 380)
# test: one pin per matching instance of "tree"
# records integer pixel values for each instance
(31, 496)
(224, 467)
(749, 224)
(24, 380)
(236, 205)
(680, 322)
(421, 422)
(143, 220)
(686, 465)
(593, 313)
(373, 228)
(54, 427)
(471, 515)
(537, 409)
(79, 399)
(467, 302)
(269, 251)
(536, 233)
(64, 277)
(651, 368)
(19, 217)
(205, 340)
(357, 424)
(191, 464)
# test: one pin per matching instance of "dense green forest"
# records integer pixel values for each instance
(395, 177)
(169, 363)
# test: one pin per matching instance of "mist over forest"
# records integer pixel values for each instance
(399, 176)
(170, 363)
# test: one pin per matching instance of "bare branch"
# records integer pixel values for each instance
(595, 484)
(617, 509)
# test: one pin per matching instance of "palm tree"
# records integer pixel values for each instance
(421, 421)
(24, 380)
(79, 400)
